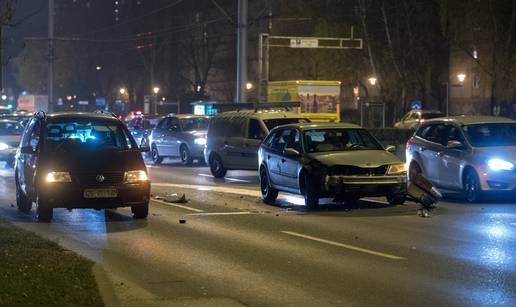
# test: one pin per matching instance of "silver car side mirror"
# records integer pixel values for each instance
(290, 152)
(454, 144)
(391, 148)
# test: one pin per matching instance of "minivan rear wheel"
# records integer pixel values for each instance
(216, 167)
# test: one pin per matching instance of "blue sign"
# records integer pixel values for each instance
(416, 105)
(101, 101)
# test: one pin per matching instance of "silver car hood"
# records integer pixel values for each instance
(507, 153)
(361, 158)
(198, 133)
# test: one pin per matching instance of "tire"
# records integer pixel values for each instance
(269, 194)
(146, 155)
(216, 167)
(22, 201)
(44, 213)
(140, 211)
(186, 157)
(396, 199)
(311, 193)
(156, 158)
(471, 186)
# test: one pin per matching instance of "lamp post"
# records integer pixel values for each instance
(122, 91)
(461, 77)
(155, 90)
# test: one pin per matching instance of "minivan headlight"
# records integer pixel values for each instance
(395, 169)
(500, 165)
(200, 141)
(58, 177)
(135, 176)
(4, 146)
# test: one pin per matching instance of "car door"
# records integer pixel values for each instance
(250, 144)
(273, 156)
(451, 159)
(30, 159)
(289, 166)
(158, 134)
(429, 152)
(171, 137)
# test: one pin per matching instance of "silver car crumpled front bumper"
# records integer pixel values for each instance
(367, 185)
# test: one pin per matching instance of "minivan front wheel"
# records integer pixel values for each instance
(186, 157)
(216, 167)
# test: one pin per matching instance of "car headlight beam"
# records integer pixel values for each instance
(4, 146)
(500, 165)
(396, 169)
(135, 176)
(200, 141)
(53, 177)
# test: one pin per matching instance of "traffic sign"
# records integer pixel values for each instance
(416, 105)
(299, 42)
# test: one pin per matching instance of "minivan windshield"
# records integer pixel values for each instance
(431, 115)
(272, 123)
(491, 134)
(323, 140)
(191, 124)
(75, 135)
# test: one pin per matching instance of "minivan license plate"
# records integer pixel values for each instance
(100, 193)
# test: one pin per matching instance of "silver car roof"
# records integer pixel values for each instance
(471, 120)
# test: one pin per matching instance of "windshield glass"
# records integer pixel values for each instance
(272, 123)
(190, 124)
(431, 115)
(10, 129)
(322, 140)
(485, 135)
(86, 134)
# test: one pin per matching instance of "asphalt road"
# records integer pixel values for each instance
(232, 250)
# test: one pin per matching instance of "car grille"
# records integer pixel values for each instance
(350, 170)
(91, 178)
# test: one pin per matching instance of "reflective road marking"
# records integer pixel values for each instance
(355, 248)
(221, 213)
(226, 178)
(246, 192)
(176, 205)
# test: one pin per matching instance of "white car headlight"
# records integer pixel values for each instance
(4, 146)
(500, 165)
(396, 169)
(200, 141)
(135, 176)
(58, 177)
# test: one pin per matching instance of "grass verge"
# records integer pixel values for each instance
(38, 272)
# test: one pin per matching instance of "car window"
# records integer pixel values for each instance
(191, 124)
(294, 140)
(274, 122)
(454, 134)
(339, 139)
(10, 128)
(255, 130)
(491, 134)
(164, 123)
(35, 136)
(174, 124)
(279, 141)
(438, 134)
(84, 134)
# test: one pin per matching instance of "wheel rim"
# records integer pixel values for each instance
(154, 154)
(184, 155)
(264, 183)
(215, 164)
(471, 188)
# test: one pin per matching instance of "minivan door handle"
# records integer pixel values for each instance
(268, 157)
(283, 160)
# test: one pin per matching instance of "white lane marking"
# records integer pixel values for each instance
(376, 201)
(226, 178)
(221, 213)
(351, 247)
(176, 205)
(246, 192)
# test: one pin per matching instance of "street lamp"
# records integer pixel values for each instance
(98, 67)
(122, 90)
(4, 97)
(249, 86)
(156, 91)
(461, 77)
(372, 80)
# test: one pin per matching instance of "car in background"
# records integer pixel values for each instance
(79, 160)
(141, 126)
(5, 110)
(10, 134)
(234, 137)
(340, 161)
(20, 116)
(471, 154)
(414, 118)
(181, 135)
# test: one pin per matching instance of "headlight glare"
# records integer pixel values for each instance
(58, 177)
(500, 165)
(135, 176)
(200, 141)
(395, 169)
(3, 146)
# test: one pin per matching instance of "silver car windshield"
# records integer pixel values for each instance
(191, 124)
(324, 140)
(493, 134)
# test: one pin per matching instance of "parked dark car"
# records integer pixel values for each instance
(10, 134)
(79, 160)
(141, 126)
(340, 161)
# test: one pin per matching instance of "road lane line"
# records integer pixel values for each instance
(351, 247)
(176, 205)
(246, 192)
(226, 178)
(220, 213)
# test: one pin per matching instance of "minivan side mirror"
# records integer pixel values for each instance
(27, 150)
(290, 152)
(454, 144)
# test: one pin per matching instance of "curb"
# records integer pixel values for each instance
(107, 292)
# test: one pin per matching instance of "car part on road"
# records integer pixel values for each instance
(423, 192)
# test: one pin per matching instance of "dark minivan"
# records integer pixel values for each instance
(80, 160)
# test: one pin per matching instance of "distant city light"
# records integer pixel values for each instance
(122, 90)
(461, 77)
(4, 97)
(249, 85)
(98, 67)
(372, 80)
(155, 90)
(69, 97)
(475, 54)
(163, 98)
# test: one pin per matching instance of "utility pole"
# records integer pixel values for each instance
(50, 85)
(241, 95)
